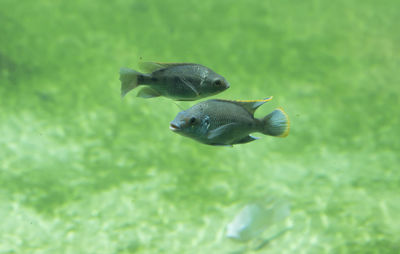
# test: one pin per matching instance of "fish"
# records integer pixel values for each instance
(177, 81)
(254, 218)
(227, 122)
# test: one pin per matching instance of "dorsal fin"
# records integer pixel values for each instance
(149, 67)
(252, 105)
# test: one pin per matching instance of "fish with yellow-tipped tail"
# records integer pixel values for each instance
(226, 122)
(178, 81)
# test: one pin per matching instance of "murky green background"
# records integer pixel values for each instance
(82, 171)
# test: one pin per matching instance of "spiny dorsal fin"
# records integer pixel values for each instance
(252, 105)
(149, 67)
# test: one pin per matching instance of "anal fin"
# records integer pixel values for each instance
(247, 139)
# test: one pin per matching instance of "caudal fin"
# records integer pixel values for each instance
(276, 123)
(129, 80)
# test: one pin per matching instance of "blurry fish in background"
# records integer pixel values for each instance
(225, 122)
(178, 81)
(253, 220)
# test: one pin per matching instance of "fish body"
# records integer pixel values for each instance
(178, 81)
(253, 219)
(225, 122)
(248, 223)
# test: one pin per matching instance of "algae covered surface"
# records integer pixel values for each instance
(82, 171)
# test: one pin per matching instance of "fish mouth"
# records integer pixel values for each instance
(174, 127)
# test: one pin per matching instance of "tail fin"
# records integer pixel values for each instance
(276, 123)
(129, 80)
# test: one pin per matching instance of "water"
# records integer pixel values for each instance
(82, 171)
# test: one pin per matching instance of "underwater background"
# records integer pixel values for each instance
(82, 171)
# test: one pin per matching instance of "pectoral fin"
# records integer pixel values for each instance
(190, 86)
(220, 130)
(148, 92)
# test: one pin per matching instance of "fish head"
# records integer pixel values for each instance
(213, 84)
(191, 123)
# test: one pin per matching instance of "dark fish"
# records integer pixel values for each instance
(224, 122)
(178, 81)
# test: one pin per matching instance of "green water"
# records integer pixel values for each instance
(82, 171)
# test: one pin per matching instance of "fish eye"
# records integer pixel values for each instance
(218, 82)
(192, 120)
